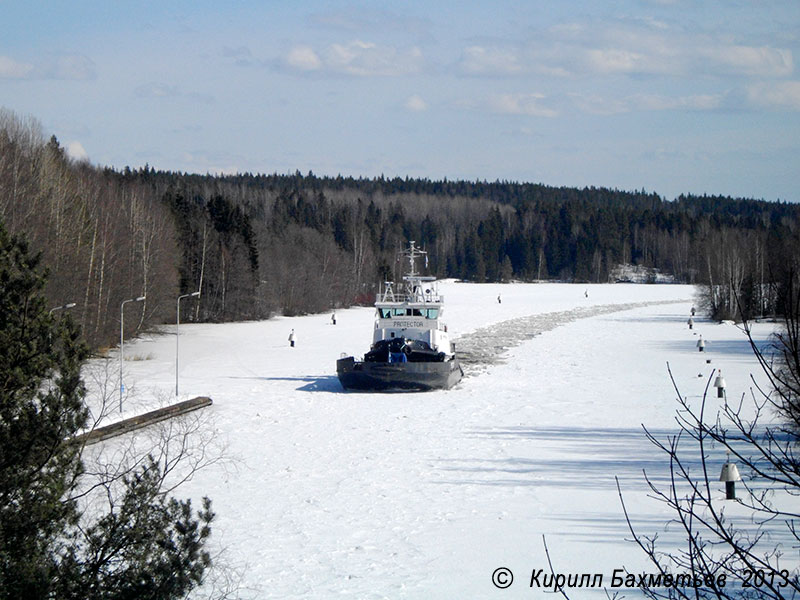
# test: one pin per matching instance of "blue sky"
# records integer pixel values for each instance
(674, 96)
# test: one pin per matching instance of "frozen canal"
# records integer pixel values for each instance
(325, 493)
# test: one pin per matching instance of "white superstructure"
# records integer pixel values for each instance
(415, 312)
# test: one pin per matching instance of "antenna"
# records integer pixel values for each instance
(413, 253)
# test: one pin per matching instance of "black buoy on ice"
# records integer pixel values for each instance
(719, 383)
(730, 475)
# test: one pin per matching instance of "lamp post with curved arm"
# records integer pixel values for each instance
(121, 343)
(177, 332)
(64, 307)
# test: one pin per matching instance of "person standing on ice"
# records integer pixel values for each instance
(499, 301)
(292, 338)
(691, 323)
(333, 318)
(701, 345)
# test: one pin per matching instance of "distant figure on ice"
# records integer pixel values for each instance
(693, 311)
(691, 323)
(701, 345)
(499, 301)
(292, 338)
(586, 294)
(333, 318)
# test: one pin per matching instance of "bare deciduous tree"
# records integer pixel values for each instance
(731, 557)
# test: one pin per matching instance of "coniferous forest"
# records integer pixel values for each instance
(257, 245)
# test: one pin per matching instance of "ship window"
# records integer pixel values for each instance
(385, 313)
(416, 312)
(399, 312)
(432, 313)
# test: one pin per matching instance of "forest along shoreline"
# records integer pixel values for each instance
(257, 245)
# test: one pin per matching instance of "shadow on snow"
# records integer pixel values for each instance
(313, 383)
(575, 458)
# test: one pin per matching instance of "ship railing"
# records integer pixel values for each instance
(422, 297)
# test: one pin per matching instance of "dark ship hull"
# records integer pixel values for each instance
(397, 376)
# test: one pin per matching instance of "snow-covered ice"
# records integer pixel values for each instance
(423, 495)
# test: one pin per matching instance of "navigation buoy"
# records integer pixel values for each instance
(730, 475)
(719, 383)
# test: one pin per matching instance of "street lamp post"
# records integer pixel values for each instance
(64, 307)
(57, 308)
(177, 332)
(121, 343)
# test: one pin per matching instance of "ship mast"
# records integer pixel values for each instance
(413, 279)
(413, 253)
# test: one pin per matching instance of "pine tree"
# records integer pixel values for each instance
(147, 545)
(40, 406)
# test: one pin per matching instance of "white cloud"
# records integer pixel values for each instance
(748, 60)
(344, 57)
(11, 69)
(781, 94)
(357, 58)
(76, 151)
(163, 90)
(521, 104)
(303, 58)
(73, 67)
(507, 60)
(641, 46)
(615, 60)
(597, 105)
(636, 48)
(658, 102)
(361, 58)
(480, 60)
(654, 23)
(416, 103)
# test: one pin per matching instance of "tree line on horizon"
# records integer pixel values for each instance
(257, 245)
